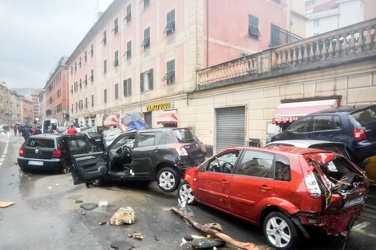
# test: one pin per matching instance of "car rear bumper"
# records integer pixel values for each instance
(40, 164)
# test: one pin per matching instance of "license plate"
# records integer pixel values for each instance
(38, 163)
(354, 202)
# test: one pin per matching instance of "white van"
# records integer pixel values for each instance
(54, 123)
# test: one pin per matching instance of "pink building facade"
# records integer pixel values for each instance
(143, 56)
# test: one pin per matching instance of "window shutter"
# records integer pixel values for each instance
(129, 86)
(142, 82)
(151, 79)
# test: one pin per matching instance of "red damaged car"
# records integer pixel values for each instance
(288, 191)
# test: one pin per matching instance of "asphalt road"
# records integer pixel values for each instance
(46, 214)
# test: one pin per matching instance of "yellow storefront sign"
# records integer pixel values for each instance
(159, 106)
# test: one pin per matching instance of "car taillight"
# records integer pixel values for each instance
(359, 135)
(21, 152)
(56, 153)
(312, 185)
(181, 150)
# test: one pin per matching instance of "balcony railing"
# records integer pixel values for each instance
(345, 45)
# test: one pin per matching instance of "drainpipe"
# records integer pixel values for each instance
(207, 33)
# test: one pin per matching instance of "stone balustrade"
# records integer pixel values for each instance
(355, 42)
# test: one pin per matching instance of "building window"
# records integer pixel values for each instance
(104, 40)
(92, 75)
(127, 87)
(275, 39)
(85, 80)
(79, 62)
(85, 56)
(105, 96)
(80, 83)
(92, 50)
(116, 91)
(92, 100)
(146, 3)
(71, 70)
(170, 25)
(146, 80)
(170, 74)
(75, 66)
(253, 30)
(277, 1)
(129, 50)
(105, 66)
(116, 60)
(128, 16)
(116, 26)
(316, 23)
(86, 103)
(146, 42)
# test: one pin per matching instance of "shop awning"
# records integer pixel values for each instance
(289, 112)
(167, 117)
(111, 120)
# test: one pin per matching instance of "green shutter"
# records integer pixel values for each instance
(151, 79)
(142, 82)
(129, 87)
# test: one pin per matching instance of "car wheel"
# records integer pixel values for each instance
(97, 183)
(65, 169)
(168, 179)
(280, 231)
(185, 193)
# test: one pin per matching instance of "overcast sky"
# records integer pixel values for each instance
(35, 34)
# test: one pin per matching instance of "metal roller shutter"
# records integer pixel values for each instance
(230, 127)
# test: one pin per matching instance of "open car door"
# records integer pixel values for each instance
(87, 159)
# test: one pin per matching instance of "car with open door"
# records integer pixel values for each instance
(290, 192)
(159, 155)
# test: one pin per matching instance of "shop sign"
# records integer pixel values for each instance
(92, 116)
(159, 106)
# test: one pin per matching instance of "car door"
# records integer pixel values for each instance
(251, 184)
(147, 152)
(214, 180)
(87, 159)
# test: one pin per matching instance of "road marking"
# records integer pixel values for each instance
(359, 228)
(5, 152)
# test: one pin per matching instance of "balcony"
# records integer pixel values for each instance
(346, 45)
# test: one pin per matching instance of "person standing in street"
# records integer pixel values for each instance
(71, 130)
(15, 129)
(26, 132)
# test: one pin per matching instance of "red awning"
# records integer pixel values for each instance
(111, 120)
(289, 112)
(167, 117)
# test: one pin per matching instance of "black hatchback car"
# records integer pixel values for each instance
(145, 155)
(43, 152)
(356, 128)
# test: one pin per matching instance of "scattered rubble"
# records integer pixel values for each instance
(215, 233)
(136, 235)
(123, 216)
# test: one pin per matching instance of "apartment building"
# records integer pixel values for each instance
(144, 55)
(5, 109)
(56, 93)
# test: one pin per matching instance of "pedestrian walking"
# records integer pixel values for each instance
(37, 131)
(15, 129)
(49, 130)
(26, 132)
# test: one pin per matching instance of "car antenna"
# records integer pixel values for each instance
(356, 100)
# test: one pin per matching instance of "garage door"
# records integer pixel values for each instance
(230, 127)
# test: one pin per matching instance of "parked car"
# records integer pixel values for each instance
(337, 147)
(356, 128)
(44, 152)
(144, 155)
(108, 136)
(97, 137)
(133, 121)
(288, 191)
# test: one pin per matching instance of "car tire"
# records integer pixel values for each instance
(185, 193)
(280, 231)
(97, 183)
(65, 169)
(168, 179)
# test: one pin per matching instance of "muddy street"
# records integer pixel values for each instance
(46, 214)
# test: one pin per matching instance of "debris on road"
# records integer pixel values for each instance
(123, 216)
(199, 242)
(216, 233)
(102, 223)
(79, 201)
(88, 206)
(103, 203)
(136, 235)
(4, 204)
